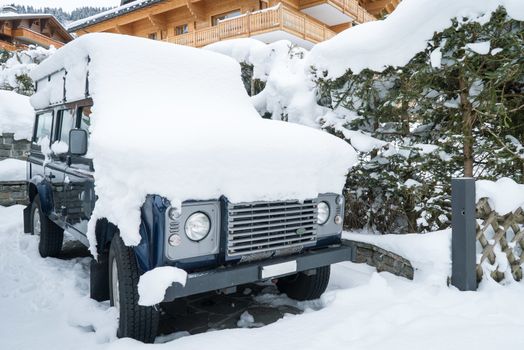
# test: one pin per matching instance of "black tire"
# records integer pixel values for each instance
(135, 321)
(51, 235)
(303, 286)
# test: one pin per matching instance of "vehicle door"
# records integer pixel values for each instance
(40, 146)
(80, 193)
(56, 163)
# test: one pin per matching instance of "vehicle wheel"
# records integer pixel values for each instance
(51, 235)
(135, 321)
(303, 286)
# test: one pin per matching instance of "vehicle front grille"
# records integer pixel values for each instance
(270, 226)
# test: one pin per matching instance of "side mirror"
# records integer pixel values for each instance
(77, 142)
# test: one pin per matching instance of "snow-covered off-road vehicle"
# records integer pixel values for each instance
(153, 156)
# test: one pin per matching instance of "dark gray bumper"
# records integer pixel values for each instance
(248, 273)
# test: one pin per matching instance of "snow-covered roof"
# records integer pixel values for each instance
(106, 15)
(20, 16)
(403, 34)
(176, 121)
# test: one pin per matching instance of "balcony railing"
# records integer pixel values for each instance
(276, 18)
(4, 45)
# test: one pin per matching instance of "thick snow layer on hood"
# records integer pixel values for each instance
(176, 121)
(504, 195)
(16, 115)
(404, 33)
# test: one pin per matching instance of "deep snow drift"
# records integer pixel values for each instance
(184, 128)
(45, 305)
(12, 170)
(504, 195)
(16, 115)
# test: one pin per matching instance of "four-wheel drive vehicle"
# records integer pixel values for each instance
(231, 199)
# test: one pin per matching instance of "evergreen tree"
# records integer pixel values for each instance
(61, 15)
(456, 109)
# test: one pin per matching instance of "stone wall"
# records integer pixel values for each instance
(13, 192)
(382, 260)
(11, 148)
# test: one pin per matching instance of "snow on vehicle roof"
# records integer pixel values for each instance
(398, 38)
(176, 121)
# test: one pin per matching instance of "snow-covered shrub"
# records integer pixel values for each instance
(16, 66)
(277, 78)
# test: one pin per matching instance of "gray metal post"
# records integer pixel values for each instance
(463, 241)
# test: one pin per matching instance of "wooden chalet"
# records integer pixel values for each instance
(202, 22)
(17, 31)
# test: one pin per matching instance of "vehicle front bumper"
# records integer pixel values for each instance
(227, 277)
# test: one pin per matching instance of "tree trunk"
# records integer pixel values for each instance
(405, 118)
(468, 119)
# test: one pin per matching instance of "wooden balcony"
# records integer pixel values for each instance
(27, 35)
(349, 7)
(273, 19)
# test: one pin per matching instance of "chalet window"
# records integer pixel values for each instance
(264, 4)
(223, 16)
(152, 36)
(183, 29)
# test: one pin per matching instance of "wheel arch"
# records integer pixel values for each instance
(41, 187)
(150, 251)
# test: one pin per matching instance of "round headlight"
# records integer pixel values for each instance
(197, 226)
(323, 213)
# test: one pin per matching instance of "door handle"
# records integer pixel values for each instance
(51, 176)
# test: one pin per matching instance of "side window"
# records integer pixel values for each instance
(43, 127)
(84, 119)
(66, 122)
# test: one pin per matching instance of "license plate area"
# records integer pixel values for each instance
(277, 270)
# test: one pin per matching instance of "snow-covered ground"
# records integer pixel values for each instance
(45, 305)
(16, 115)
(12, 170)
